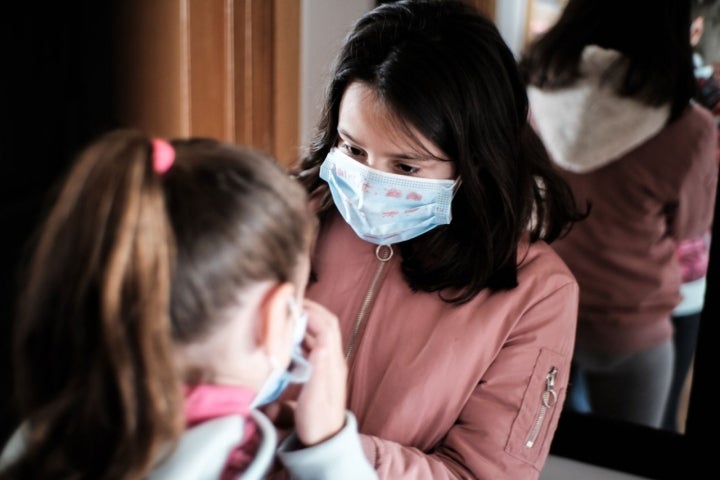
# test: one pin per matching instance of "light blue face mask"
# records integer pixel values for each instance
(385, 208)
(299, 369)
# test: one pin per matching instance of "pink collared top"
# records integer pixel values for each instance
(207, 401)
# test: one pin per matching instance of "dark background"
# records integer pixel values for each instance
(56, 89)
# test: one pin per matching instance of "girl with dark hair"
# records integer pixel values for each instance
(164, 303)
(610, 88)
(437, 203)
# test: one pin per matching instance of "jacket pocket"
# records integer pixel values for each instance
(535, 424)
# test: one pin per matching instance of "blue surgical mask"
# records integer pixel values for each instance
(299, 369)
(385, 208)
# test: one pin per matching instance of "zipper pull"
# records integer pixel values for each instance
(550, 394)
(549, 399)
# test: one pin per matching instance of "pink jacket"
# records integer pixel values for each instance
(471, 391)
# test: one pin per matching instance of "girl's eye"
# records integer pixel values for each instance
(407, 169)
(354, 151)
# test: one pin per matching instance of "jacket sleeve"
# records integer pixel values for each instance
(696, 193)
(505, 428)
(340, 457)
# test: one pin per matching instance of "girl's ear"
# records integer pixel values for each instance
(696, 30)
(275, 330)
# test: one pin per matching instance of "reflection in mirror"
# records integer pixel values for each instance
(648, 168)
(693, 253)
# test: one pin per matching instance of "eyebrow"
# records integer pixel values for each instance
(397, 156)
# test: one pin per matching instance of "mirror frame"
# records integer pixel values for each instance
(650, 452)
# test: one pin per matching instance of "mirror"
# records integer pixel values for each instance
(645, 451)
(649, 452)
(626, 295)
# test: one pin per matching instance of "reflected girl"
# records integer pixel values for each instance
(614, 110)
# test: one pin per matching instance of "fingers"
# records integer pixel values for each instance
(323, 330)
(321, 404)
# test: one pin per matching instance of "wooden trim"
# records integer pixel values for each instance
(210, 69)
(262, 83)
(227, 69)
(529, 12)
(286, 67)
(485, 6)
(254, 80)
(149, 92)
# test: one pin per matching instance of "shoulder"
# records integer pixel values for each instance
(538, 263)
(699, 116)
(540, 312)
(545, 300)
(547, 290)
(687, 132)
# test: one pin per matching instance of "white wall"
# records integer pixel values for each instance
(323, 26)
(510, 20)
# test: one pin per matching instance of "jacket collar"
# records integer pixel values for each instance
(203, 450)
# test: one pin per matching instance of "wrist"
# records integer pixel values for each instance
(318, 436)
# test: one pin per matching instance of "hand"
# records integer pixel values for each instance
(320, 408)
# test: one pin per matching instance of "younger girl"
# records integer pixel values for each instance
(163, 304)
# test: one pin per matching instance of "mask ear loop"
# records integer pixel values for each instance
(300, 321)
(300, 368)
(456, 185)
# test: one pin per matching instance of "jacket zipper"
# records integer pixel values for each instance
(549, 399)
(364, 308)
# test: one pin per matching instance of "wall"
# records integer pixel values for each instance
(324, 24)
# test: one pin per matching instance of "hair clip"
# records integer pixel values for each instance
(163, 155)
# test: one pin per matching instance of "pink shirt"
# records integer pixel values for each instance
(207, 402)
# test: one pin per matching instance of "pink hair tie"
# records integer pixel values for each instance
(163, 155)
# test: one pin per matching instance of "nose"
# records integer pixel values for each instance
(376, 163)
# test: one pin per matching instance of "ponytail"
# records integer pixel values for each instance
(95, 371)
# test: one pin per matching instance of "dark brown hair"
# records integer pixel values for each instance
(443, 68)
(128, 262)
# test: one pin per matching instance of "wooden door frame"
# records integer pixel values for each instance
(226, 69)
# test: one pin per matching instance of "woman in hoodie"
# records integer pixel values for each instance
(610, 88)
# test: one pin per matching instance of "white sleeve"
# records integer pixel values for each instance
(340, 456)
